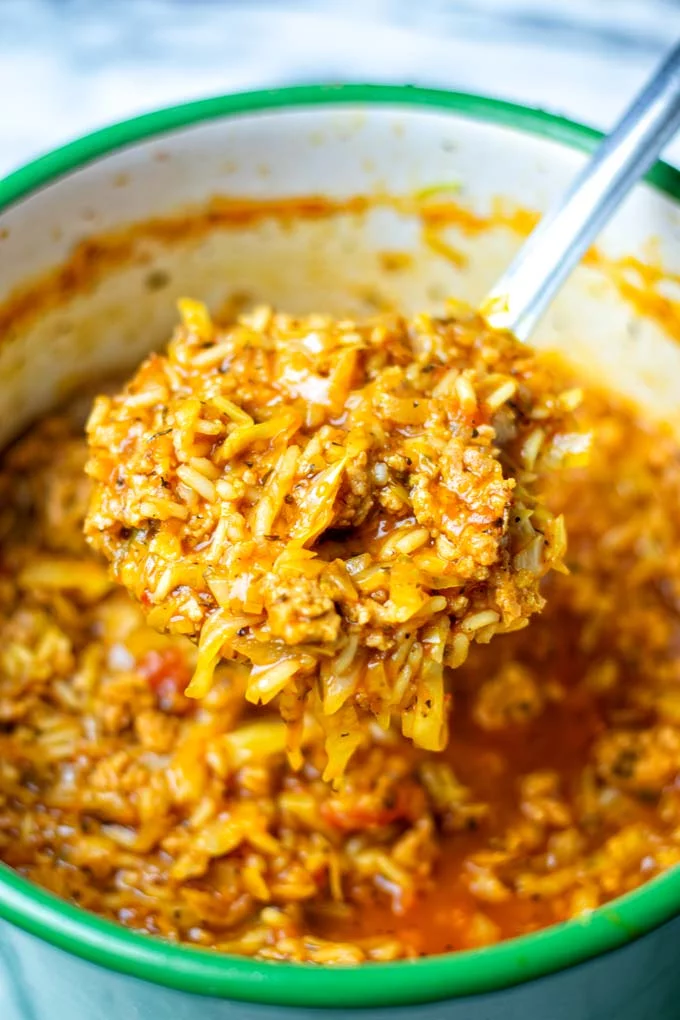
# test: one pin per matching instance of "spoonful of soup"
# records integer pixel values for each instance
(345, 506)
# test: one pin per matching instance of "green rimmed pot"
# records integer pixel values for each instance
(57, 961)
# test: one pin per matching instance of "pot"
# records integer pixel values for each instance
(321, 198)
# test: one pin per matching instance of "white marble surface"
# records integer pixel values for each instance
(68, 66)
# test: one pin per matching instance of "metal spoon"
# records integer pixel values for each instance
(521, 296)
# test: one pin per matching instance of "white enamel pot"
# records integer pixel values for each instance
(58, 962)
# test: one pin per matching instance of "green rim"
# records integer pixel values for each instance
(206, 973)
(74, 155)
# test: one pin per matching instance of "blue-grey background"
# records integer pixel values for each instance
(67, 66)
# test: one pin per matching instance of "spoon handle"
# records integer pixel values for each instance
(519, 298)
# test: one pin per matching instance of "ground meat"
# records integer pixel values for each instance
(300, 613)
(641, 762)
(512, 697)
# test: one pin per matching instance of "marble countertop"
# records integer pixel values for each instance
(69, 66)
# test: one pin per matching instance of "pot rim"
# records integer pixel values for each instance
(204, 972)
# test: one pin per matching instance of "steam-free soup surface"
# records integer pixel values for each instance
(184, 818)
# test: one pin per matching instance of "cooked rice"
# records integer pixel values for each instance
(346, 507)
(180, 818)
